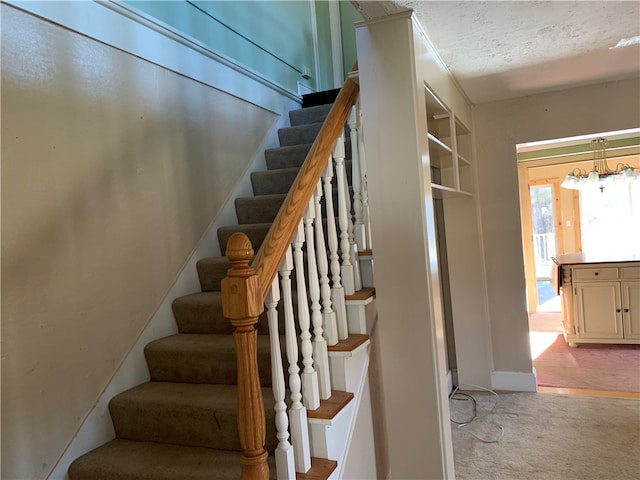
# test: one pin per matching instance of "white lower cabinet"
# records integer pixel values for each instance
(631, 309)
(598, 308)
(606, 305)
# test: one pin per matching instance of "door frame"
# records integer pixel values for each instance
(525, 185)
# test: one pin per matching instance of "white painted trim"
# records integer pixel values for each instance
(354, 418)
(336, 43)
(304, 89)
(514, 381)
(316, 46)
(449, 382)
(128, 29)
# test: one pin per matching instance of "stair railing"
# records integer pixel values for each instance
(248, 288)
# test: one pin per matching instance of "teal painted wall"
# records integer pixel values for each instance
(348, 16)
(273, 38)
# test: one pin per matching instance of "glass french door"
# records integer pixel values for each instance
(544, 198)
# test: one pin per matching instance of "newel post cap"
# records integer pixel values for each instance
(240, 289)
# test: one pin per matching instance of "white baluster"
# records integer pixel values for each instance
(310, 392)
(328, 314)
(320, 355)
(297, 411)
(356, 181)
(362, 160)
(285, 466)
(353, 249)
(337, 291)
(346, 269)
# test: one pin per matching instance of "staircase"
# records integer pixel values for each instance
(183, 423)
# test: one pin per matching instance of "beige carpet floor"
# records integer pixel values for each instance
(547, 437)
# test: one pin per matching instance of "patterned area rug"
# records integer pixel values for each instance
(589, 366)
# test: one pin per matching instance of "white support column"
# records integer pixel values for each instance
(337, 291)
(285, 466)
(336, 42)
(297, 411)
(310, 393)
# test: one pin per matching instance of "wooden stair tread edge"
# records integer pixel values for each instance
(321, 469)
(363, 294)
(366, 253)
(330, 407)
(352, 342)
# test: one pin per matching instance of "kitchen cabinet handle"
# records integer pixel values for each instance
(626, 310)
(618, 310)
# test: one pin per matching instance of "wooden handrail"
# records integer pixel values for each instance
(278, 239)
(246, 286)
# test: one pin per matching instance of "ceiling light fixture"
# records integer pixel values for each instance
(600, 175)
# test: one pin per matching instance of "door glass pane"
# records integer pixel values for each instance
(544, 229)
(610, 219)
(543, 220)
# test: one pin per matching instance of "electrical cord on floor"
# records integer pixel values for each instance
(456, 394)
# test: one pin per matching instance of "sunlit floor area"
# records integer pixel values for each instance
(546, 323)
(594, 367)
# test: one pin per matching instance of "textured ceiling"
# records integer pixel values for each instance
(499, 50)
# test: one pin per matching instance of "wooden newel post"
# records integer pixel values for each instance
(242, 303)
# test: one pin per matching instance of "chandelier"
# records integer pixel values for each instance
(600, 175)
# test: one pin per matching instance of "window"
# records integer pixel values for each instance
(611, 220)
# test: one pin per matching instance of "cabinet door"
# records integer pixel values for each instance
(631, 309)
(599, 310)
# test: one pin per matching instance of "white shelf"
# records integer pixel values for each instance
(449, 149)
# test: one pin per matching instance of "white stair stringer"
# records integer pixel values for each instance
(363, 466)
(332, 438)
(366, 270)
(359, 314)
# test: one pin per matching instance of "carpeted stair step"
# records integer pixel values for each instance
(304, 116)
(286, 157)
(202, 313)
(269, 182)
(300, 134)
(131, 460)
(264, 208)
(211, 271)
(260, 209)
(197, 415)
(293, 156)
(202, 358)
(256, 233)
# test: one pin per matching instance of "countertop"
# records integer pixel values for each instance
(582, 258)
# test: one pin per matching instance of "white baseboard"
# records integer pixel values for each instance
(514, 381)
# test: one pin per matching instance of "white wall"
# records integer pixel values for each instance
(498, 127)
(113, 169)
